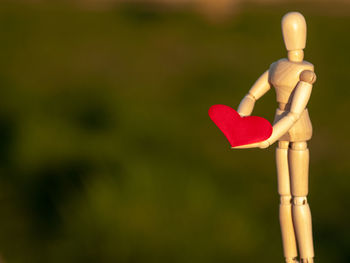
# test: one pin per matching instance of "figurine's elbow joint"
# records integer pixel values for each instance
(293, 116)
(251, 96)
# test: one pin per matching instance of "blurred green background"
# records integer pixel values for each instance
(107, 153)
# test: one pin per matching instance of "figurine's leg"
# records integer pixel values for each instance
(285, 209)
(298, 157)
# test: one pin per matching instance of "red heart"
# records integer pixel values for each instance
(240, 130)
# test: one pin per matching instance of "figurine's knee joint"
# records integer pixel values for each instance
(298, 146)
(283, 144)
(286, 200)
(299, 200)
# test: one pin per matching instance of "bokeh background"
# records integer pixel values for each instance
(107, 153)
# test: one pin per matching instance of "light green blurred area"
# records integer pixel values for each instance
(107, 153)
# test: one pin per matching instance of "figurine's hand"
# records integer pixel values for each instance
(246, 146)
(246, 106)
(262, 145)
(240, 114)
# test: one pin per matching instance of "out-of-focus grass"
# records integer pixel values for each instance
(107, 153)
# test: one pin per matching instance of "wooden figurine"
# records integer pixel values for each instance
(292, 79)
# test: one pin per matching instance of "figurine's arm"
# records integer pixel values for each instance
(260, 87)
(300, 100)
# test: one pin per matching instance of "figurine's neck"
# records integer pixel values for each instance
(296, 55)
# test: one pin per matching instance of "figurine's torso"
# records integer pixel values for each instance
(284, 77)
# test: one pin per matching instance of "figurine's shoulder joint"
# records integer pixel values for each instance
(307, 76)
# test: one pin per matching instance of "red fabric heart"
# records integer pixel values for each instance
(240, 130)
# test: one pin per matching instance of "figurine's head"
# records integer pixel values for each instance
(294, 35)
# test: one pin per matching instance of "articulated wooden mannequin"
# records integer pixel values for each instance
(292, 79)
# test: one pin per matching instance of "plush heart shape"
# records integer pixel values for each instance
(240, 130)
